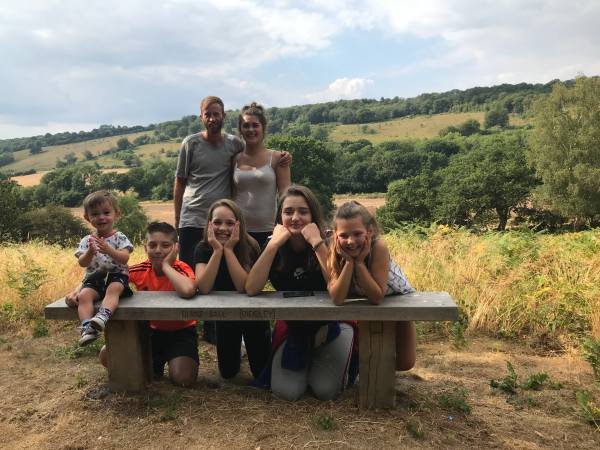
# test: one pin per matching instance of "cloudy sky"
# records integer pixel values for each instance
(70, 65)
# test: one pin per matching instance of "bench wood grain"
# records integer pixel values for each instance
(129, 367)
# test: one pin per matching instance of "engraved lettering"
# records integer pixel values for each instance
(215, 314)
(253, 314)
(189, 315)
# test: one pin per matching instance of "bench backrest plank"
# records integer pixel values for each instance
(270, 306)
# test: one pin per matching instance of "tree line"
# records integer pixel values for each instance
(296, 120)
(542, 177)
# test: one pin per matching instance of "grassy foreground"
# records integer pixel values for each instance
(508, 284)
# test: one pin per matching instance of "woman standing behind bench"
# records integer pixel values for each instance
(257, 175)
(314, 354)
(222, 261)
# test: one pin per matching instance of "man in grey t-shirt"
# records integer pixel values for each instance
(203, 175)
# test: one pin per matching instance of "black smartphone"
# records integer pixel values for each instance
(297, 293)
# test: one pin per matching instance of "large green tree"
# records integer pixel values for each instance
(565, 149)
(312, 165)
(493, 176)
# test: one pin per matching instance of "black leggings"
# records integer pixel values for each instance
(257, 337)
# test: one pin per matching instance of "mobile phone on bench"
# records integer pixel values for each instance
(287, 294)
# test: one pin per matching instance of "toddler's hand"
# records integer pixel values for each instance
(92, 246)
(100, 244)
(71, 299)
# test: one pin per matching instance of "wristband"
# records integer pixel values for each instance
(316, 246)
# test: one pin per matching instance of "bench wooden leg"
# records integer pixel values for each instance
(377, 356)
(129, 355)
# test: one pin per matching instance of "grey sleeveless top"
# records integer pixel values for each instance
(256, 195)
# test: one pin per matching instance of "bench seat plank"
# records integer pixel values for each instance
(270, 306)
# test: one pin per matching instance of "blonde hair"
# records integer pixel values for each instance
(348, 211)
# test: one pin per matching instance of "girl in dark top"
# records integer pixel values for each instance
(222, 262)
(314, 354)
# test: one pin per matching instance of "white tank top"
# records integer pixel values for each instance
(256, 195)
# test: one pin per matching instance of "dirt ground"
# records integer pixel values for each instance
(52, 400)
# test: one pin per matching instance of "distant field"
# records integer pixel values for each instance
(47, 159)
(163, 211)
(34, 178)
(416, 127)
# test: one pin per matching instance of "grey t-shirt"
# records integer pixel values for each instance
(207, 170)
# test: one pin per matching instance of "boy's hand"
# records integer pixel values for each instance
(212, 240)
(234, 238)
(172, 256)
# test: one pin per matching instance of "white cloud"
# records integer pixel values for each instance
(67, 61)
(341, 89)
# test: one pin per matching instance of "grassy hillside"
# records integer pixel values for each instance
(47, 159)
(416, 127)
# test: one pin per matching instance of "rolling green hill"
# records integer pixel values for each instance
(415, 127)
(47, 159)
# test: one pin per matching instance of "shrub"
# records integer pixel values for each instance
(133, 220)
(52, 224)
(11, 214)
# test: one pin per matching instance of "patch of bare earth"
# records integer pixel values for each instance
(51, 401)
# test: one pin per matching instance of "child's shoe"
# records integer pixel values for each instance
(88, 334)
(100, 319)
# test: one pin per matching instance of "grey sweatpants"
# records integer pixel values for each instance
(325, 374)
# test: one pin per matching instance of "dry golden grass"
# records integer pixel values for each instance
(47, 396)
(60, 272)
(414, 127)
(516, 284)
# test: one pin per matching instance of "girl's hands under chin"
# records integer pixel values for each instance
(311, 234)
(212, 239)
(234, 237)
(340, 251)
(365, 251)
(280, 235)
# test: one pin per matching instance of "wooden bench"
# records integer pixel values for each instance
(129, 356)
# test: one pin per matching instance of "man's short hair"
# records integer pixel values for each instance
(207, 101)
(98, 198)
(162, 227)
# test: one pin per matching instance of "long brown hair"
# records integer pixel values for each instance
(246, 250)
(348, 211)
(297, 190)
